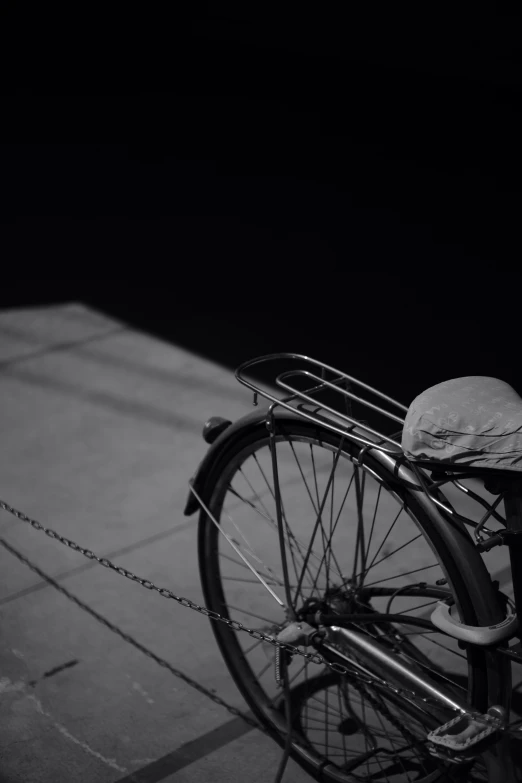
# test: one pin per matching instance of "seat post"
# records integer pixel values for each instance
(513, 507)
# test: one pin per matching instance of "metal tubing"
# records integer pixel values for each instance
(323, 381)
(390, 667)
(513, 507)
(274, 356)
(392, 447)
(349, 419)
(279, 513)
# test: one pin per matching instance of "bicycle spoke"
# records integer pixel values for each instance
(318, 520)
(249, 581)
(289, 534)
(447, 649)
(322, 722)
(373, 520)
(384, 540)
(359, 542)
(403, 573)
(415, 608)
(265, 514)
(342, 733)
(316, 512)
(292, 539)
(330, 556)
(365, 735)
(283, 515)
(390, 737)
(326, 724)
(390, 554)
(314, 698)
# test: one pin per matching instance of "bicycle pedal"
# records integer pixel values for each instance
(462, 738)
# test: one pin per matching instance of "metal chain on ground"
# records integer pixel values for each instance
(166, 593)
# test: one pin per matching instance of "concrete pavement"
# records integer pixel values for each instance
(101, 431)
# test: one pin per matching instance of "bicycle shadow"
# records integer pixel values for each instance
(302, 692)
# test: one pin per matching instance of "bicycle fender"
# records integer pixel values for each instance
(238, 429)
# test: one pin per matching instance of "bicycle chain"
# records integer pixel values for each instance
(166, 593)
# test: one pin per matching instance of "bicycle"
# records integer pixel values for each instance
(366, 665)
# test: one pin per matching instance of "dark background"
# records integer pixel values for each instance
(241, 179)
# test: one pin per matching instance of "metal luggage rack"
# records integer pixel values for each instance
(333, 380)
(358, 430)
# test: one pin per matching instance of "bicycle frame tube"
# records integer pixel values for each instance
(391, 667)
(513, 506)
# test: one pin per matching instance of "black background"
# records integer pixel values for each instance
(245, 179)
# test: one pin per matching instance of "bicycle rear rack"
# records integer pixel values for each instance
(307, 403)
(332, 418)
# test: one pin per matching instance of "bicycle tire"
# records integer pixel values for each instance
(489, 674)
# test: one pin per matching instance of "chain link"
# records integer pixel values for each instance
(166, 593)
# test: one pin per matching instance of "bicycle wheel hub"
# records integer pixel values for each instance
(336, 600)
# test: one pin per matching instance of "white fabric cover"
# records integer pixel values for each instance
(473, 421)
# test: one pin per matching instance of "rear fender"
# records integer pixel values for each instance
(238, 429)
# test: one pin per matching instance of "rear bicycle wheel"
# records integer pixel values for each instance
(356, 541)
